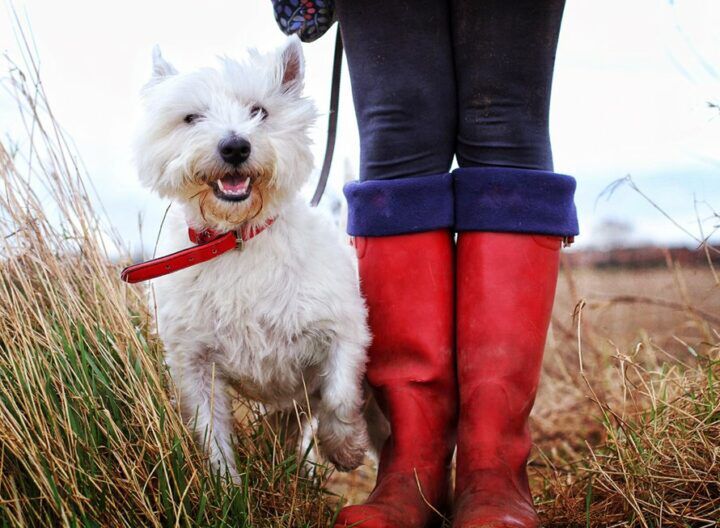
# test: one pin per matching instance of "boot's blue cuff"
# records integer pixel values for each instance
(505, 199)
(401, 206)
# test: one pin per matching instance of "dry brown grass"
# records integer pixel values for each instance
(628, 419)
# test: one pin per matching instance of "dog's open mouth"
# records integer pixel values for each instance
(232, 187)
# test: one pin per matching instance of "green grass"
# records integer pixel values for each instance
(80, 449)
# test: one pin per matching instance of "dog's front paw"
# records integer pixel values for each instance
(348, 459)
(346, 447)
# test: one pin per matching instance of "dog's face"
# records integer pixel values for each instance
(232, 143)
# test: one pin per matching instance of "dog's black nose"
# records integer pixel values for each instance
(234, 150)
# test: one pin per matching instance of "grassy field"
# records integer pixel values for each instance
(627, 422)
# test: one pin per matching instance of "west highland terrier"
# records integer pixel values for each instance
(281, 318)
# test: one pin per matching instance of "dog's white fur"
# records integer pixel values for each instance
(282, 319)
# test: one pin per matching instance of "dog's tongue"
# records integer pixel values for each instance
(234, 184)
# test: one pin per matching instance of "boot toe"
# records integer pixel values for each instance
(365, 516)
(488, 511)
(493, 518)
(395, 503)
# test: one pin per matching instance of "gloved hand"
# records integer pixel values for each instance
(308, 19)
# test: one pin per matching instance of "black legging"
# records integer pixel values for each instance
(433, 79)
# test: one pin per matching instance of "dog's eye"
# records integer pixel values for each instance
(191, 118)
(258, 110)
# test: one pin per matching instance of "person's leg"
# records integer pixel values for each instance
(505, 289)
(401, 214)
(407, 281)
(400, 58)
(504, 53)
(511, 213)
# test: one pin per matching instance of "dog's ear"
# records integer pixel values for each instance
(161, 67)
(292, 64)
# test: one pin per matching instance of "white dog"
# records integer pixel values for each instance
(280, 319)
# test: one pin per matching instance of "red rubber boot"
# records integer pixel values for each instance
(407, 282)
(505, 290)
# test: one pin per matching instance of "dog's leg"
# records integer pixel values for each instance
(307, 451)
(342, 431)
(206, 407)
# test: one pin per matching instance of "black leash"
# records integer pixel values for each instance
(332, 121)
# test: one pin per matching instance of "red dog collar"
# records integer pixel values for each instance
(210, 244)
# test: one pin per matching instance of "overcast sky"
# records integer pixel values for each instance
(632, 84)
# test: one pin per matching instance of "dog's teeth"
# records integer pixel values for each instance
(220, 185)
